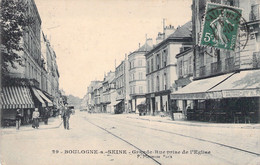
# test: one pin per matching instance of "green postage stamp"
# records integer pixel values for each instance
(220, 28)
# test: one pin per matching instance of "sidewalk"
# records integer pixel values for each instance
(53, 122)
(167, 119)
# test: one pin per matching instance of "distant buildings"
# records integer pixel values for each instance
(109, 93)
(207, 84)
(122, 87)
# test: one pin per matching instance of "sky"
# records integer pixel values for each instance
(91, 37)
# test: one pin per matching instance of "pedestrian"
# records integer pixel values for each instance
(46, 116)
(173, 109)
(65, 114)
(35, 116)
(18, 118)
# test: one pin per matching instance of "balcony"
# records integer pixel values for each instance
(229, 64)
(202, 71)
(216, 67)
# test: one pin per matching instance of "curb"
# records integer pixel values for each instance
(199, 125)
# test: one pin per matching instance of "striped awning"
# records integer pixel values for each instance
(49, 102)
(37, 95)
(13, 97)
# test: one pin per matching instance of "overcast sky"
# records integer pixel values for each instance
(89, 35)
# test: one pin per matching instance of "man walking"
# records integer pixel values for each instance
(18, 119)
(65, 114)
(173, 109)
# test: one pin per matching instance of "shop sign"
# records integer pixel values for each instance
(242, 93)
(214, 95)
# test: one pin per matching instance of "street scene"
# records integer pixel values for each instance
(130, 139)
(130, 82)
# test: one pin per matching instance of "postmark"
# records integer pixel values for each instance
(223, 28)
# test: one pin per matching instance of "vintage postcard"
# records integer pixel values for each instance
(120, 82)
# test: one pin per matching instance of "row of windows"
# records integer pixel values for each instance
(120, 82)
(140, 63)
(161, 61)
(140, 76)
(32, 47)
(136, 89)
(185, 67)
(161, 83)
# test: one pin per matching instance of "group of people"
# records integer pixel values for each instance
(65, 116)
(35, 118)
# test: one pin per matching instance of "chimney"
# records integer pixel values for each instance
(139, 45)
(163, 24)
(149, 42)
(159, 38)
(168, 30)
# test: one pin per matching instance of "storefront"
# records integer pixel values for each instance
(228, 98)
(120, 106)
(14, 98)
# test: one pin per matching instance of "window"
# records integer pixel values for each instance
(185, 67)
(140, 75)
(158, 83)
(165, 81)
(152, 89)
(190, 65)
(158, 61)
(148, 85)
(148, 66)
(140, 89)
(180, 68)
(165, 56)
(152, 65)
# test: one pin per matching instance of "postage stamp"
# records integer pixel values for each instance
(220, 26)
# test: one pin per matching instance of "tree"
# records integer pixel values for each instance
(13, 22)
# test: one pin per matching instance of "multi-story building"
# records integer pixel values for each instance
(226, 83)
(109, 93)
(50, 76)
(96, 96)
(122, 87)
(161, 66)
(90, 95)
(184, 73)
(24, 85)
(137, 74)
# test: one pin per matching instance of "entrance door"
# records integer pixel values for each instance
(153, 106)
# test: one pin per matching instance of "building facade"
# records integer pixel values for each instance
(25, 87)
(226, 84)
(184, 73)
(137, 75)
(122, 87)
(161, 70)
(109, 93)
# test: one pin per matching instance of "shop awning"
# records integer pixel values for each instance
(37, 95)
(198, 88)
(117, 102)
(49, 102)
(242, 84)
(13, 97)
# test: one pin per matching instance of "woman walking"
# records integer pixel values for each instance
(35, 117)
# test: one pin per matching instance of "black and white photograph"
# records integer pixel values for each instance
(130, 82)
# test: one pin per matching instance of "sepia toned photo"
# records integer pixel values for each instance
(130, 82)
